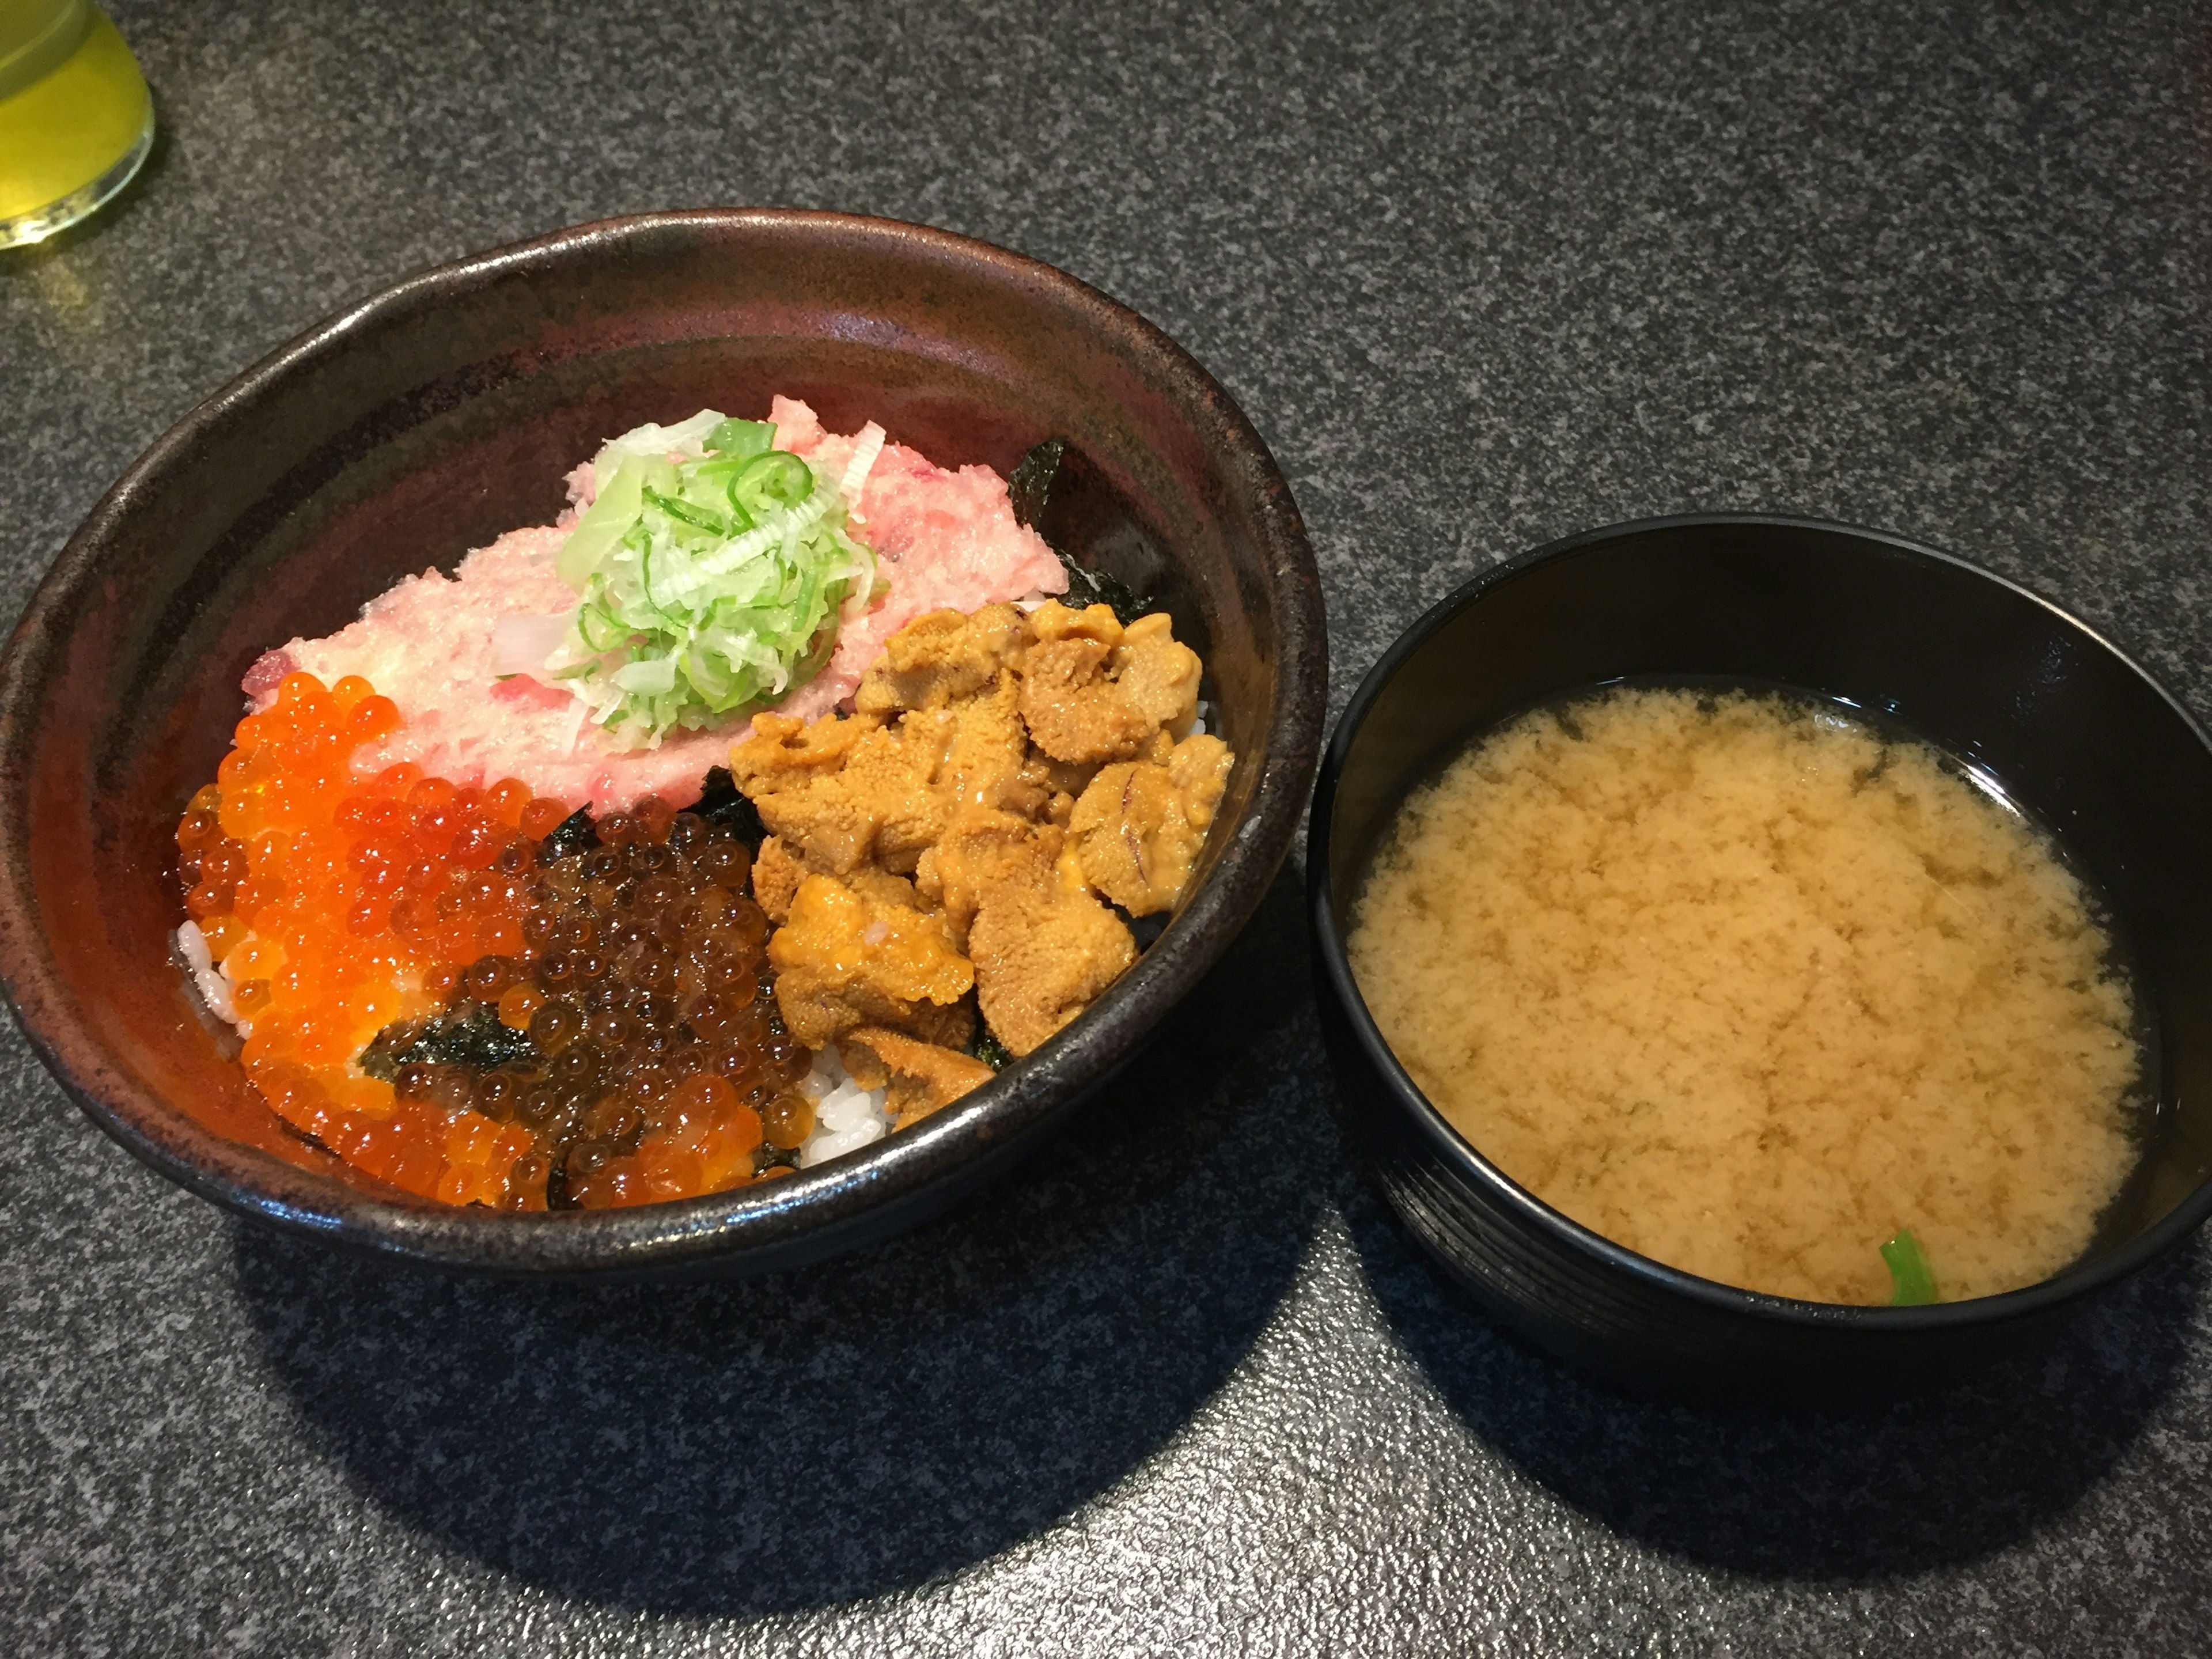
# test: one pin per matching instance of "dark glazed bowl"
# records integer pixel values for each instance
(2067, 725)
(443, 412)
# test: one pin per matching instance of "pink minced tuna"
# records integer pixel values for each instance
(945, 540)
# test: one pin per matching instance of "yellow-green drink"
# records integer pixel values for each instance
(75, 118)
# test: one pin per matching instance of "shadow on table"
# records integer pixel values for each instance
(1839, 1495)
(864, 1426)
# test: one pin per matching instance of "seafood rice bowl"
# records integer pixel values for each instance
(766, 802)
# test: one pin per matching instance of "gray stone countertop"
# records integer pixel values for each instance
(1482, 275)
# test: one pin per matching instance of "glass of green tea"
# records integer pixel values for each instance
(75, 119)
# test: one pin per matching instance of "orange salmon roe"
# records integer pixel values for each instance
(644, 1057)
(334, 906)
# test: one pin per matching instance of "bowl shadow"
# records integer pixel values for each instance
(1838, 1496)
(858, 1427)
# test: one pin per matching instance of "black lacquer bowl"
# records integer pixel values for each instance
(444, 412)
(2071, 730)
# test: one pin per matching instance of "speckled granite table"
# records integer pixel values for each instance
(1482, 275)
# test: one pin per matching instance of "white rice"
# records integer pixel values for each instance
(212, 984)
(847, 1117)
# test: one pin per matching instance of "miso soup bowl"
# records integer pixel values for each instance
(443, 411)
(2006, 682)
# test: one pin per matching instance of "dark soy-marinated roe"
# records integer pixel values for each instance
(660, 1067)
(480, 996)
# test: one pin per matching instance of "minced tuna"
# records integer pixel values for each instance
(945, 540)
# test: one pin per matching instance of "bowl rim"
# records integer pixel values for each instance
(1445, 1143)
(814, 1212)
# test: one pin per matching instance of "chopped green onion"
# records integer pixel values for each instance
(698, 518)
(742, 440)
(1908, 1271)
(711, 569)
(650, 442)
(602, 525)
(778, 478)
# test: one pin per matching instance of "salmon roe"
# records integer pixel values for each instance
(476, 994)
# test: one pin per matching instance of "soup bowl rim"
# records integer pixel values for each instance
(2080, 1279)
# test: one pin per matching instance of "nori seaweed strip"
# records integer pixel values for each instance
(988, 1049)
(1144, 929)
(1087, 587)
(573, 834)
(470, 1035)
(388, 1050)
(1029, 490)
(1031, 483)
(475, 1036)
(308, 1138)
(723, 805)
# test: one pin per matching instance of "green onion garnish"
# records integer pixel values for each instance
(740, 440)
(710, 584)
(1908, 1271)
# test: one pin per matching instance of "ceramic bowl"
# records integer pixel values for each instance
(2062, 721)
(429, 419)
